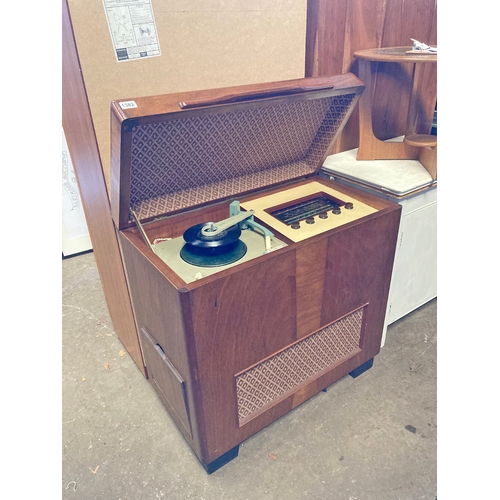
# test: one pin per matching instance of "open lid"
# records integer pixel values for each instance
(396, 177)
(175, 152)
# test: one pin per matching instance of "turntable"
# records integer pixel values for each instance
(208, 248)
(255, 282)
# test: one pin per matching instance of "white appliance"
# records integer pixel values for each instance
(407, 182)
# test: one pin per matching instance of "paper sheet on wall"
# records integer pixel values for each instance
(75, 234)
(132, 28)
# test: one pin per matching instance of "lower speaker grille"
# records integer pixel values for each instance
(278, 375)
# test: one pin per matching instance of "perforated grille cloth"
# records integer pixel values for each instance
(185, 162)
(274, 378)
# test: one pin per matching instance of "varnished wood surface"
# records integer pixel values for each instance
(358, 271)
(310, 276)
(174, 226)
(223, 324)
(169, 103)
(415, 145)
(370, 146)
(158, 308)
(428, 158)
(238, 320)
(120, 179)
(82, 144)
(421, 140)
(336, 30)
(163, 108)
(168, 383)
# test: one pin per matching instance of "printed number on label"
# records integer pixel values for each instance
(128, 104)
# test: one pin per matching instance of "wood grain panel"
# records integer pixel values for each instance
(79, 129)
(373, 24)
(311, 260)
(251, 320)
(158, 309)
(237, 321)
(358, 272)
(167, 381)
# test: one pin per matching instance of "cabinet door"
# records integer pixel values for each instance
(166, 380)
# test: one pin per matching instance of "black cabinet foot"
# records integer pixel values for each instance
(361, 369)
(222, 460)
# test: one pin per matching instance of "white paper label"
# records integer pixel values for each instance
(132, 28)
(128, 104)
(75, 232)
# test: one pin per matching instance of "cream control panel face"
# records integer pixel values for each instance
(305, 211)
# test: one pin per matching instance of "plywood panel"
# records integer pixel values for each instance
(77, 124)
(204, 44)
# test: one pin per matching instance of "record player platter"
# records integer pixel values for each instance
(212, 244)
(213, 256)
(210, 247)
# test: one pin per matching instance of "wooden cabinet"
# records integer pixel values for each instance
(234, 349)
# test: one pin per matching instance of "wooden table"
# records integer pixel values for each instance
(414, 146)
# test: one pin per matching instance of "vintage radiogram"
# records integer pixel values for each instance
(254, 282)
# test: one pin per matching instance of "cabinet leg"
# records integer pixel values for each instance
(361, 369)
(222, 460)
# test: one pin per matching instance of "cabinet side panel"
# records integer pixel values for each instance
(79, 130)
(166, 380)
(157, 308)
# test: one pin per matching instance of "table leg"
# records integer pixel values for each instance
(371, 148)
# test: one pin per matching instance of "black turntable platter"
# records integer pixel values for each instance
(199, 236)
(204, 250)
(213, 257)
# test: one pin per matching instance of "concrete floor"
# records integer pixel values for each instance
(369, 438)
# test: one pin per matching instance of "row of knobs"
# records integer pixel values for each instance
(323, 215)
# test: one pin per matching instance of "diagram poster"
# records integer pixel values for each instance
(132, 28)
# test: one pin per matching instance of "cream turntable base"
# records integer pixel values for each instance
(255, 283)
